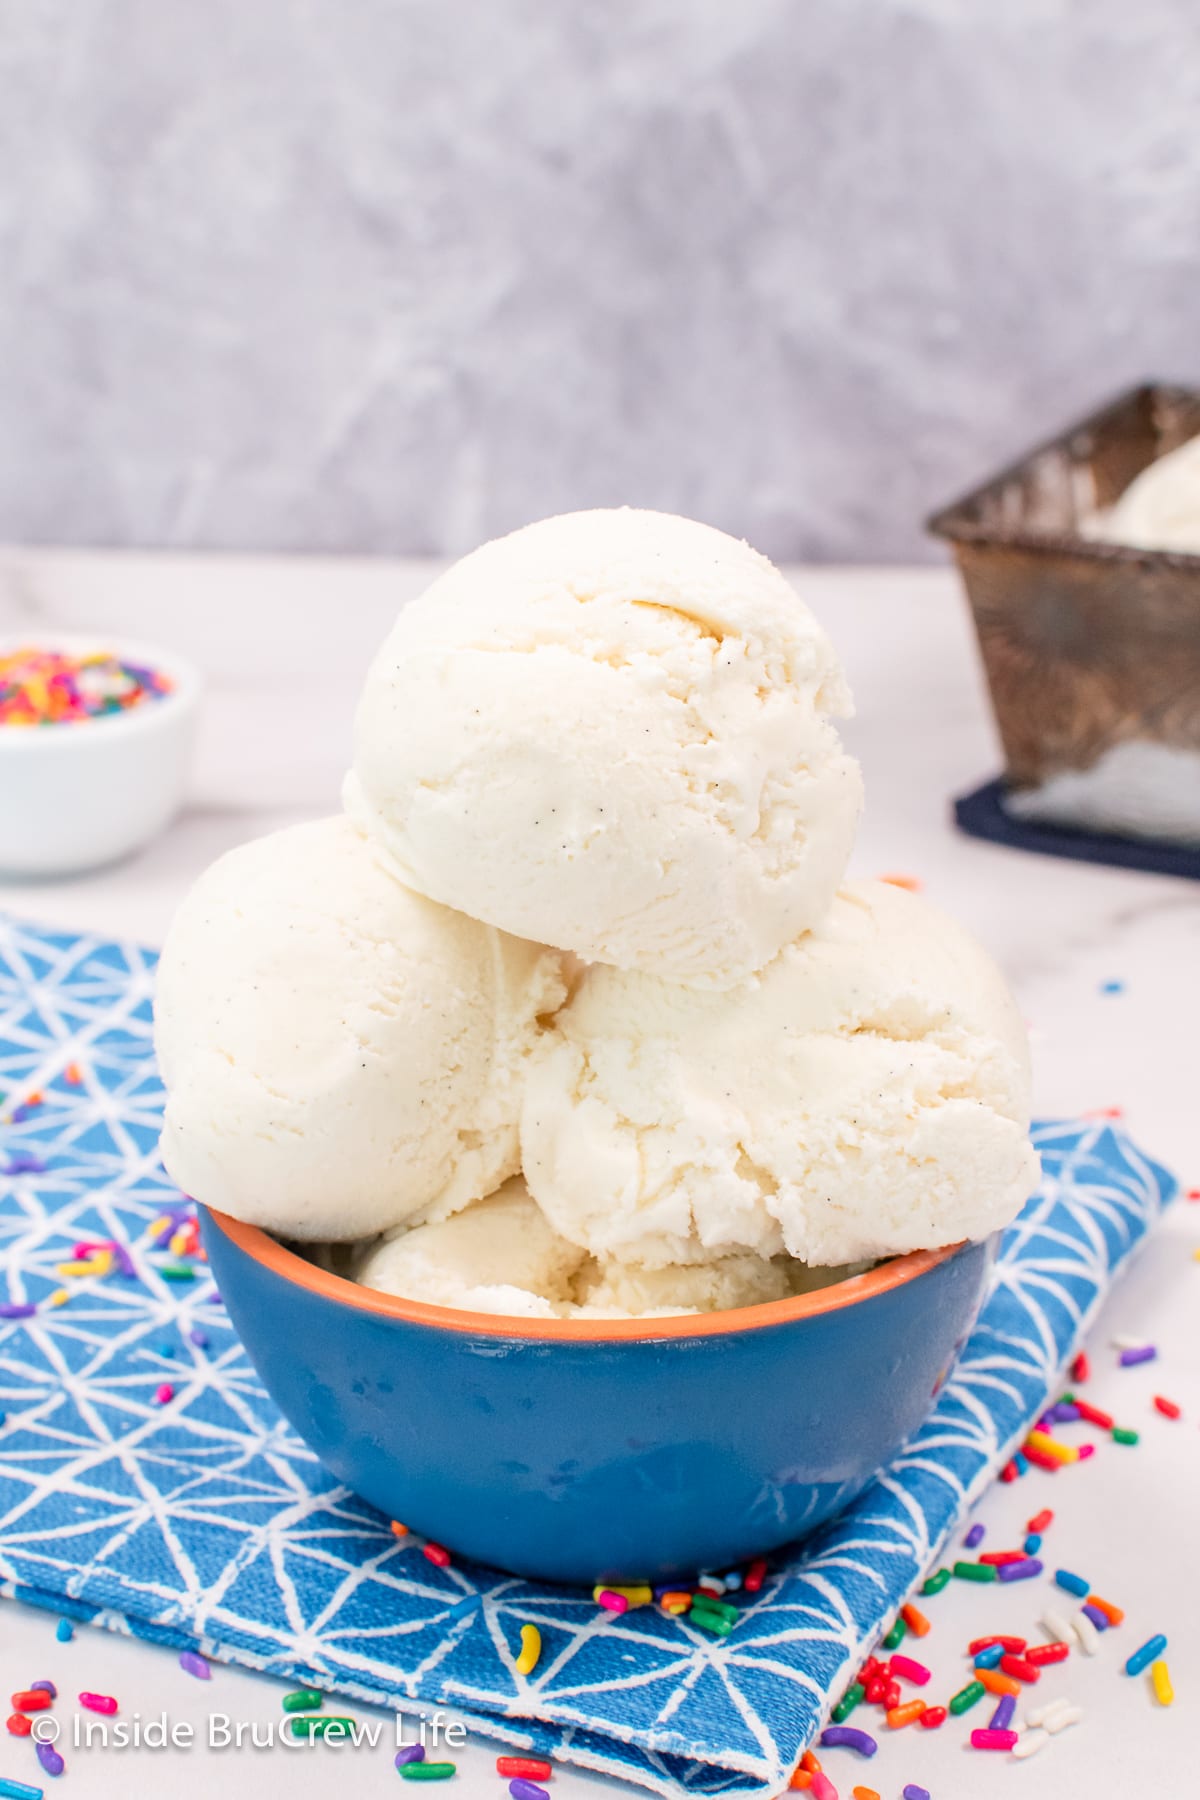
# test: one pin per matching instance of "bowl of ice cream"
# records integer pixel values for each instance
(582, 1450)
(95, 741)
(705, 1314)
(601, 1183)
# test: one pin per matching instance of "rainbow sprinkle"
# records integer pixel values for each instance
(531, 1649)
(51, 687)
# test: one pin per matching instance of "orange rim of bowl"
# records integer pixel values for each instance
(276, 1257)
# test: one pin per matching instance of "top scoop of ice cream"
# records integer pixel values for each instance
(1161, 509)
(339, 1053)
(866, 1094)
(611, 732)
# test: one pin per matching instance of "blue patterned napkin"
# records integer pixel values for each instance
(203, 1522)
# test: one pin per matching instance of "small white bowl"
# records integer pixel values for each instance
(75, 796)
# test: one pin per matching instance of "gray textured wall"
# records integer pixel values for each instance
(396, 275)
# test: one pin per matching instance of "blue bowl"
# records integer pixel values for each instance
(617, 1450)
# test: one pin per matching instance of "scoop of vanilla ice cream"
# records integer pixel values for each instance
(1160, 510)
(499, 1256)
(612, 1289)
(610, 732)
(865, 1094)
(339, 1053)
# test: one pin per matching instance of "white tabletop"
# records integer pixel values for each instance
(283, 646)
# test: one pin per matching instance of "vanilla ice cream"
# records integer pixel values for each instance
(501, 1255)
(866, 1094)
(498, 1256)
(611, 732)
(339, 1053)
(1160, 510)
(609, 1288)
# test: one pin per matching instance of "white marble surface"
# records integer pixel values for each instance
(282, 646)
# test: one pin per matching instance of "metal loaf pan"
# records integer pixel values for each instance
(1086, 645)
